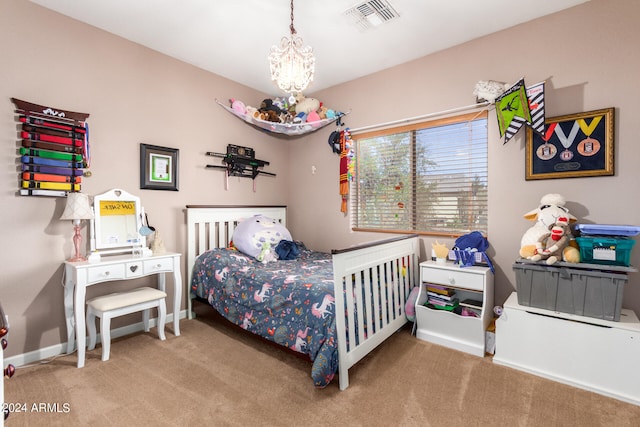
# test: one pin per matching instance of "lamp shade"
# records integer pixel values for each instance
(77, 207)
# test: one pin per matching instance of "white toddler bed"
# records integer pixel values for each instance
(380, 276)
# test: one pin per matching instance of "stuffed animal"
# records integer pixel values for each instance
(259, 235)
(313, 117)
(252, 113)
(307, 105)
(268, 105)
(551, 208)
(238, 106)
(281, 103)
(551, 245)
(322, 112)
(270, 116)
(267, 254)
(269, 111)
(489, 90)
(158, 244)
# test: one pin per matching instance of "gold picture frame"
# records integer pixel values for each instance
(572, 146)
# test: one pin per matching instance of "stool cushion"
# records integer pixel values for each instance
(124, 299)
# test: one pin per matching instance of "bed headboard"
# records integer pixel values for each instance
(210, 227)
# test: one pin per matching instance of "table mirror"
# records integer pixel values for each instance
(117, 222)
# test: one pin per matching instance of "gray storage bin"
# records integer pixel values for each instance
(590, 293)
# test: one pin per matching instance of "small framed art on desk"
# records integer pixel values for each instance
(575, 145)
(158, 167)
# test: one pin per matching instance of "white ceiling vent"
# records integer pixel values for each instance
(371, 13)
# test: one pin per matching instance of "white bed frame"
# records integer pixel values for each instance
(358, 268)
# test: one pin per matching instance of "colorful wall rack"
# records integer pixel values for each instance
(54, 150)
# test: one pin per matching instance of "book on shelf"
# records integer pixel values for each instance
(442, 296)
(440, 303)
(442, 290)
(472, 303)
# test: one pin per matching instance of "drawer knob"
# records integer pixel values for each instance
(158, 265)
(4, 343)
(9, 371)
(133, 268)
(106, 273)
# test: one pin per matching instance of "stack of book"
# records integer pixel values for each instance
(441, 298)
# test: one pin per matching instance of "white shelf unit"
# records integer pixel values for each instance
(463, 333)
(585, 352)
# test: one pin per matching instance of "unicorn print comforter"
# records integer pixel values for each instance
(289, 302)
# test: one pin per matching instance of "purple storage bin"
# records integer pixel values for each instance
(608, 230)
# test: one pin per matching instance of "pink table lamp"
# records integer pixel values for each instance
(77, 209)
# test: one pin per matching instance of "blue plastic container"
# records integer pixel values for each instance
(608, 230)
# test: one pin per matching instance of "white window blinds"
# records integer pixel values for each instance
(429, 177)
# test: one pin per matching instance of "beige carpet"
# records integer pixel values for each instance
(216, 375)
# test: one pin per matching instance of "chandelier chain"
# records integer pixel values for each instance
(293, 30)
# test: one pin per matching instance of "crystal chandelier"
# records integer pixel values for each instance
(292, 64)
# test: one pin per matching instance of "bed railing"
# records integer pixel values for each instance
(372, 282)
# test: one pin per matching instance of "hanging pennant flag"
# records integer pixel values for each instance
(535, 95)
(512, 110)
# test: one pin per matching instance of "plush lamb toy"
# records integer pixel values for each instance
(551, 245)
(551, 208)
(489, 90)
(258, 236)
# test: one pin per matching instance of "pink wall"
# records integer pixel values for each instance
(133, 95)
(589, 58)
(587, 55)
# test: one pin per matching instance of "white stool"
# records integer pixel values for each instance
(108, 306)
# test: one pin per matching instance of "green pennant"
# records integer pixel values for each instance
(513, 103)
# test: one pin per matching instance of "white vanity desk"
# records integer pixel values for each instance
(117, 228)
(80, 275)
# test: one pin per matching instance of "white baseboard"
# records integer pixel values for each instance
(41, 354)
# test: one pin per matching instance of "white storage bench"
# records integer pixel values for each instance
(118, 304)
(592, 354)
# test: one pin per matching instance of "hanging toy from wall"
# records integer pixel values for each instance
(334, 137)
(347, 166)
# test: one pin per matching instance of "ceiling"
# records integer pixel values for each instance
(232, 38)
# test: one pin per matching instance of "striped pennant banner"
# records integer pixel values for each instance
(535, 95)
(513, 128)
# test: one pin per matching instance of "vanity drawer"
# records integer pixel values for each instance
(158, 265)
(106, 272)
(455, 278)
(134, 269)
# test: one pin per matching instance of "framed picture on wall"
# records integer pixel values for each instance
(576, 145)
(158, 167)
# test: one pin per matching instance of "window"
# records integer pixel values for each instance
(428, 178)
